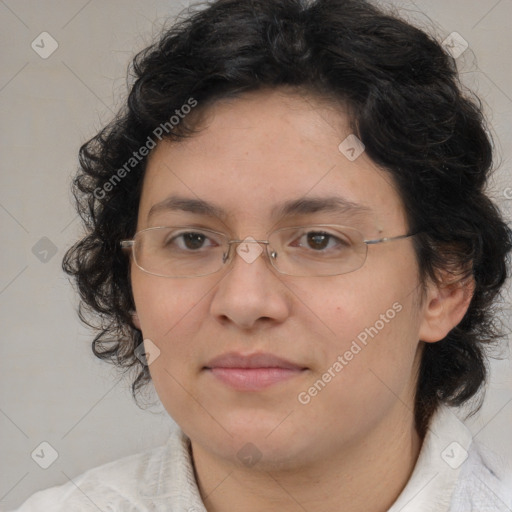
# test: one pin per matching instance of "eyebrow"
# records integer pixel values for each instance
(302, 206)
(331, 204)
(185, 204)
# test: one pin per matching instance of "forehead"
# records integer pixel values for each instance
(257, 154)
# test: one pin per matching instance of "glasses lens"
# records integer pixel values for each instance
(179, 251)
(318, 250)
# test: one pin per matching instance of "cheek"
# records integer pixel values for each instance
(368, 364)
(165, 306)
(378, 300)
(369, 318)
(170, 314)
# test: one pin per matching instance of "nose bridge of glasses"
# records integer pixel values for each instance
(247, 252)
(248, 240)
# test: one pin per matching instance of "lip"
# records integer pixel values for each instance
(252, 372)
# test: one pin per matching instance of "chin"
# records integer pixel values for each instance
(268, 443)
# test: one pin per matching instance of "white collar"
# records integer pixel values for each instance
(171, 479)
(444, 450)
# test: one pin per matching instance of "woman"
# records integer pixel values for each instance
(288, 235)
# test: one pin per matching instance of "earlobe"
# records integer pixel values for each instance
(135, 319)
(444, 308)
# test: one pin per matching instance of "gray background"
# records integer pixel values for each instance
(52, 388)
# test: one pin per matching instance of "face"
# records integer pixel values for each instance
(300, 367)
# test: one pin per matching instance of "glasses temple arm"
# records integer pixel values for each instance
(388, 239)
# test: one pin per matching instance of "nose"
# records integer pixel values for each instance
(251, 292)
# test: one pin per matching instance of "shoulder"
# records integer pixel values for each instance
(484, 483)
(109, 487)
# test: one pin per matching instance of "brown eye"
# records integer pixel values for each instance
(189, 241)
(193, 240)
(321, 241)
(318, 241)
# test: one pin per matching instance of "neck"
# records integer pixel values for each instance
(367, 476)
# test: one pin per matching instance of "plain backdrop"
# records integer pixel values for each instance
(52, 388)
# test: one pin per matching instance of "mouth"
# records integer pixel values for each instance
(252, 372)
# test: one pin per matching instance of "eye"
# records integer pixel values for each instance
(190, 241)
(321, 240)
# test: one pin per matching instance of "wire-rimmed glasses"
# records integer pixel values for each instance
(303, 251)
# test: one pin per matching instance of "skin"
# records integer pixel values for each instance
(252, 153)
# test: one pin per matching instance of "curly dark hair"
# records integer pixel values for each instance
(406, 104)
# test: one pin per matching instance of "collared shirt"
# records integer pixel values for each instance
(452, 474)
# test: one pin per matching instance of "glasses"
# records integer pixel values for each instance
(304, 251)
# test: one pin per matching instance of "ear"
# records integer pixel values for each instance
(444, 307)
(135, 319)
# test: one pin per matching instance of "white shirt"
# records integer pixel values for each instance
(452, 474)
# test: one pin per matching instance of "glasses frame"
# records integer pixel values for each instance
(130, 244)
